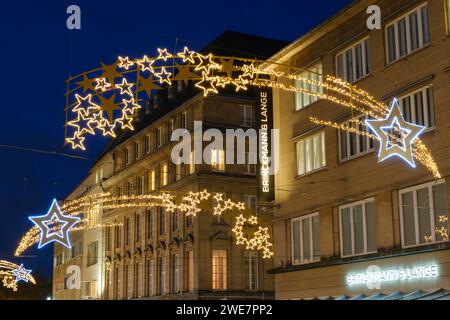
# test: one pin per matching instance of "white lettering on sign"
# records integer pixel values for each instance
(374, 275)
(264, 148)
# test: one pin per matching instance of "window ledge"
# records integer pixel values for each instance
(359, 254)
(405, 58)
(354, 158)
(424, 244)
(307, 107)
(311, 173)
(306, 262)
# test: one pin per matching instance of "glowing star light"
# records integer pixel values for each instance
(396, 135)
(146, 64)
(187, 55)
(125, 63)
(49, 231)
(21, 274)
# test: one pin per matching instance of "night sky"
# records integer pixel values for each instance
(38, 53)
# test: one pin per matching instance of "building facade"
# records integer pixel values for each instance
(85, 258)
(340, 215)
(150, 253)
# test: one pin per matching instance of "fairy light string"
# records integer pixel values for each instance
(189, 205)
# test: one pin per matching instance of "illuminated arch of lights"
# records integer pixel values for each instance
(11, 274)
(106, 99)
(189, 204)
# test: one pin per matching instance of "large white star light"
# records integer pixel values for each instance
(21, 273)
(396, 136)
(54, 226)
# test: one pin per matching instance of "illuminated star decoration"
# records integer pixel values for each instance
(21, 273)
(396, 136)
(54, 233)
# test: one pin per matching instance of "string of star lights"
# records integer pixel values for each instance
(11, 274)
(99, 100)
(189, 205)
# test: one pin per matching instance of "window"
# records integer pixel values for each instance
(313, 77)
(305, 239)
(137, 227)
(92, 253)
(184, 120)
(177, 171)
(140, 185)
(190, 270)
(358, 228)
(126, 281)
(152, 180)
(407, 33)
(117, 236)
(147, 144)
(58, 259)
(192, 162)
(170, 128)
(161, 275)
(136, 150)
(164, 174)
(311, 153)
(77, 249)
(353, 63)
(162, 221)
(116, 283)
(175, 220)
(251, 270)
(127, 156)
(353, 145)
(149, 223)
(159, 137)
(219, 273)
(127, 231)
(250, 202)
(136, 280)
(422, 212)
(250, 159)
(90, 290)
(246, 116)
(175, 274)
(218, 160)
(130, 188)
(418, 107)
(189, 220)
(149, 278)
(108, 238)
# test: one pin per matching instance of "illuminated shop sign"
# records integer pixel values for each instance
(374, 275)
(265, 124)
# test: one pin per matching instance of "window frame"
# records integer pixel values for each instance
(323, 158)
(429, 186)
(244, 120)
(364, 57)
(308, 72)
(420, 36)
(218, 155)
(358, 142)
(411, 94)
(352, 226)
(311, 239)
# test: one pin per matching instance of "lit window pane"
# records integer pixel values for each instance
(346, 232)
(409, 233)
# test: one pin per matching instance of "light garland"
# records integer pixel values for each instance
(213, 72)
(11, 274)
(189, 205)
(260, 239)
